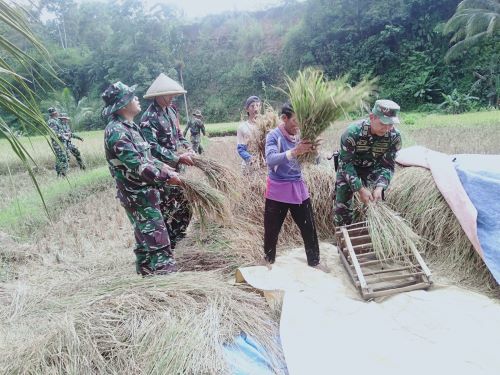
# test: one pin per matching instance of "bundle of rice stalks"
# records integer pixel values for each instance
(391, 236)
(264, 123)
(205, 200)
(117, 324)
(219, 176)
(414, 194)
(318, 102)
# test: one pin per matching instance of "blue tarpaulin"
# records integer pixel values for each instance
(480, 177)
(246, 356)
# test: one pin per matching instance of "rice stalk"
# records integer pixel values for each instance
(219, 176)
(318, 102)
(207, 202)
(391, 236)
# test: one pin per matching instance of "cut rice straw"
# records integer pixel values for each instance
(206, 201)
(391, 236)
(414, 194)
(263, 124)
(118, 324)
(219, 176)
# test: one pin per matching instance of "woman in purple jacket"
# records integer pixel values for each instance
(286, 189)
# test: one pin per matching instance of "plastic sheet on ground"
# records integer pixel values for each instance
(326, 328)
(246, 356)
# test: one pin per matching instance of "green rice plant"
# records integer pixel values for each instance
(318, 102)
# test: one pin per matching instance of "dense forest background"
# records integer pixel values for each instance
(225, 58)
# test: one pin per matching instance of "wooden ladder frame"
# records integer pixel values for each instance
(378, 277)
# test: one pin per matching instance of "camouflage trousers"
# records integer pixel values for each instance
(196, 143)
(343, 207)
(71, 148)
(61, 159)
(176, 212)
(152, 250)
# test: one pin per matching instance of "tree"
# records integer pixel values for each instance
(16, 96)
(474, 21)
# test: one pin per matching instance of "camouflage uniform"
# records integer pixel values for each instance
(70, 147)
(138, 176)
(364, 160)
(197, 127)
(61, 156)
(161, 129)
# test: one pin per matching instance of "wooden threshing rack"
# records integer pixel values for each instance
(375, 277)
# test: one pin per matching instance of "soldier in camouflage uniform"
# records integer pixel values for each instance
(61, 156)
(366, 161)
(138, 176)
(160, 126)
(70, 147)
(197, 127)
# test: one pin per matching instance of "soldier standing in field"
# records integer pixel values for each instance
(245, 130)
(138, 176)
(196, 126)
(61, 156)
(70, 147)
(366, 161)
(160, 126)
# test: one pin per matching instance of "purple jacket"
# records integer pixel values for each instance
(282, 166)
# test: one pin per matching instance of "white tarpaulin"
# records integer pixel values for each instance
(326, 328)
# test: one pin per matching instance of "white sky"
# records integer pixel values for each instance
(199, 8)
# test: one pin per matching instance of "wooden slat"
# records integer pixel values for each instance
(396, 290)
(364, 246)
(358, 240)
(354, 260)
(393, 277)
(420, 261)
(389, 270)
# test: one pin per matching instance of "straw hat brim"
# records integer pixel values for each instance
(164, 85)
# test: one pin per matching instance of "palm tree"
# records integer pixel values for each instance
(473, 21)
(16, 96)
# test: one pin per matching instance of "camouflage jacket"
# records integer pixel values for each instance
(58, 128)
(360, 151)
(129, 157)
(196, 126)
(161, 129)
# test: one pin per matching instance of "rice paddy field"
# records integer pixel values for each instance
(70, 301)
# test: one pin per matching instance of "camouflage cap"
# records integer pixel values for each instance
(387, 111)
(116, 97)
(252, 99)
(52, 110)
(64, 116)
(197, 113)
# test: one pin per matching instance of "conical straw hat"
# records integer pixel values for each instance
(164, 85)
